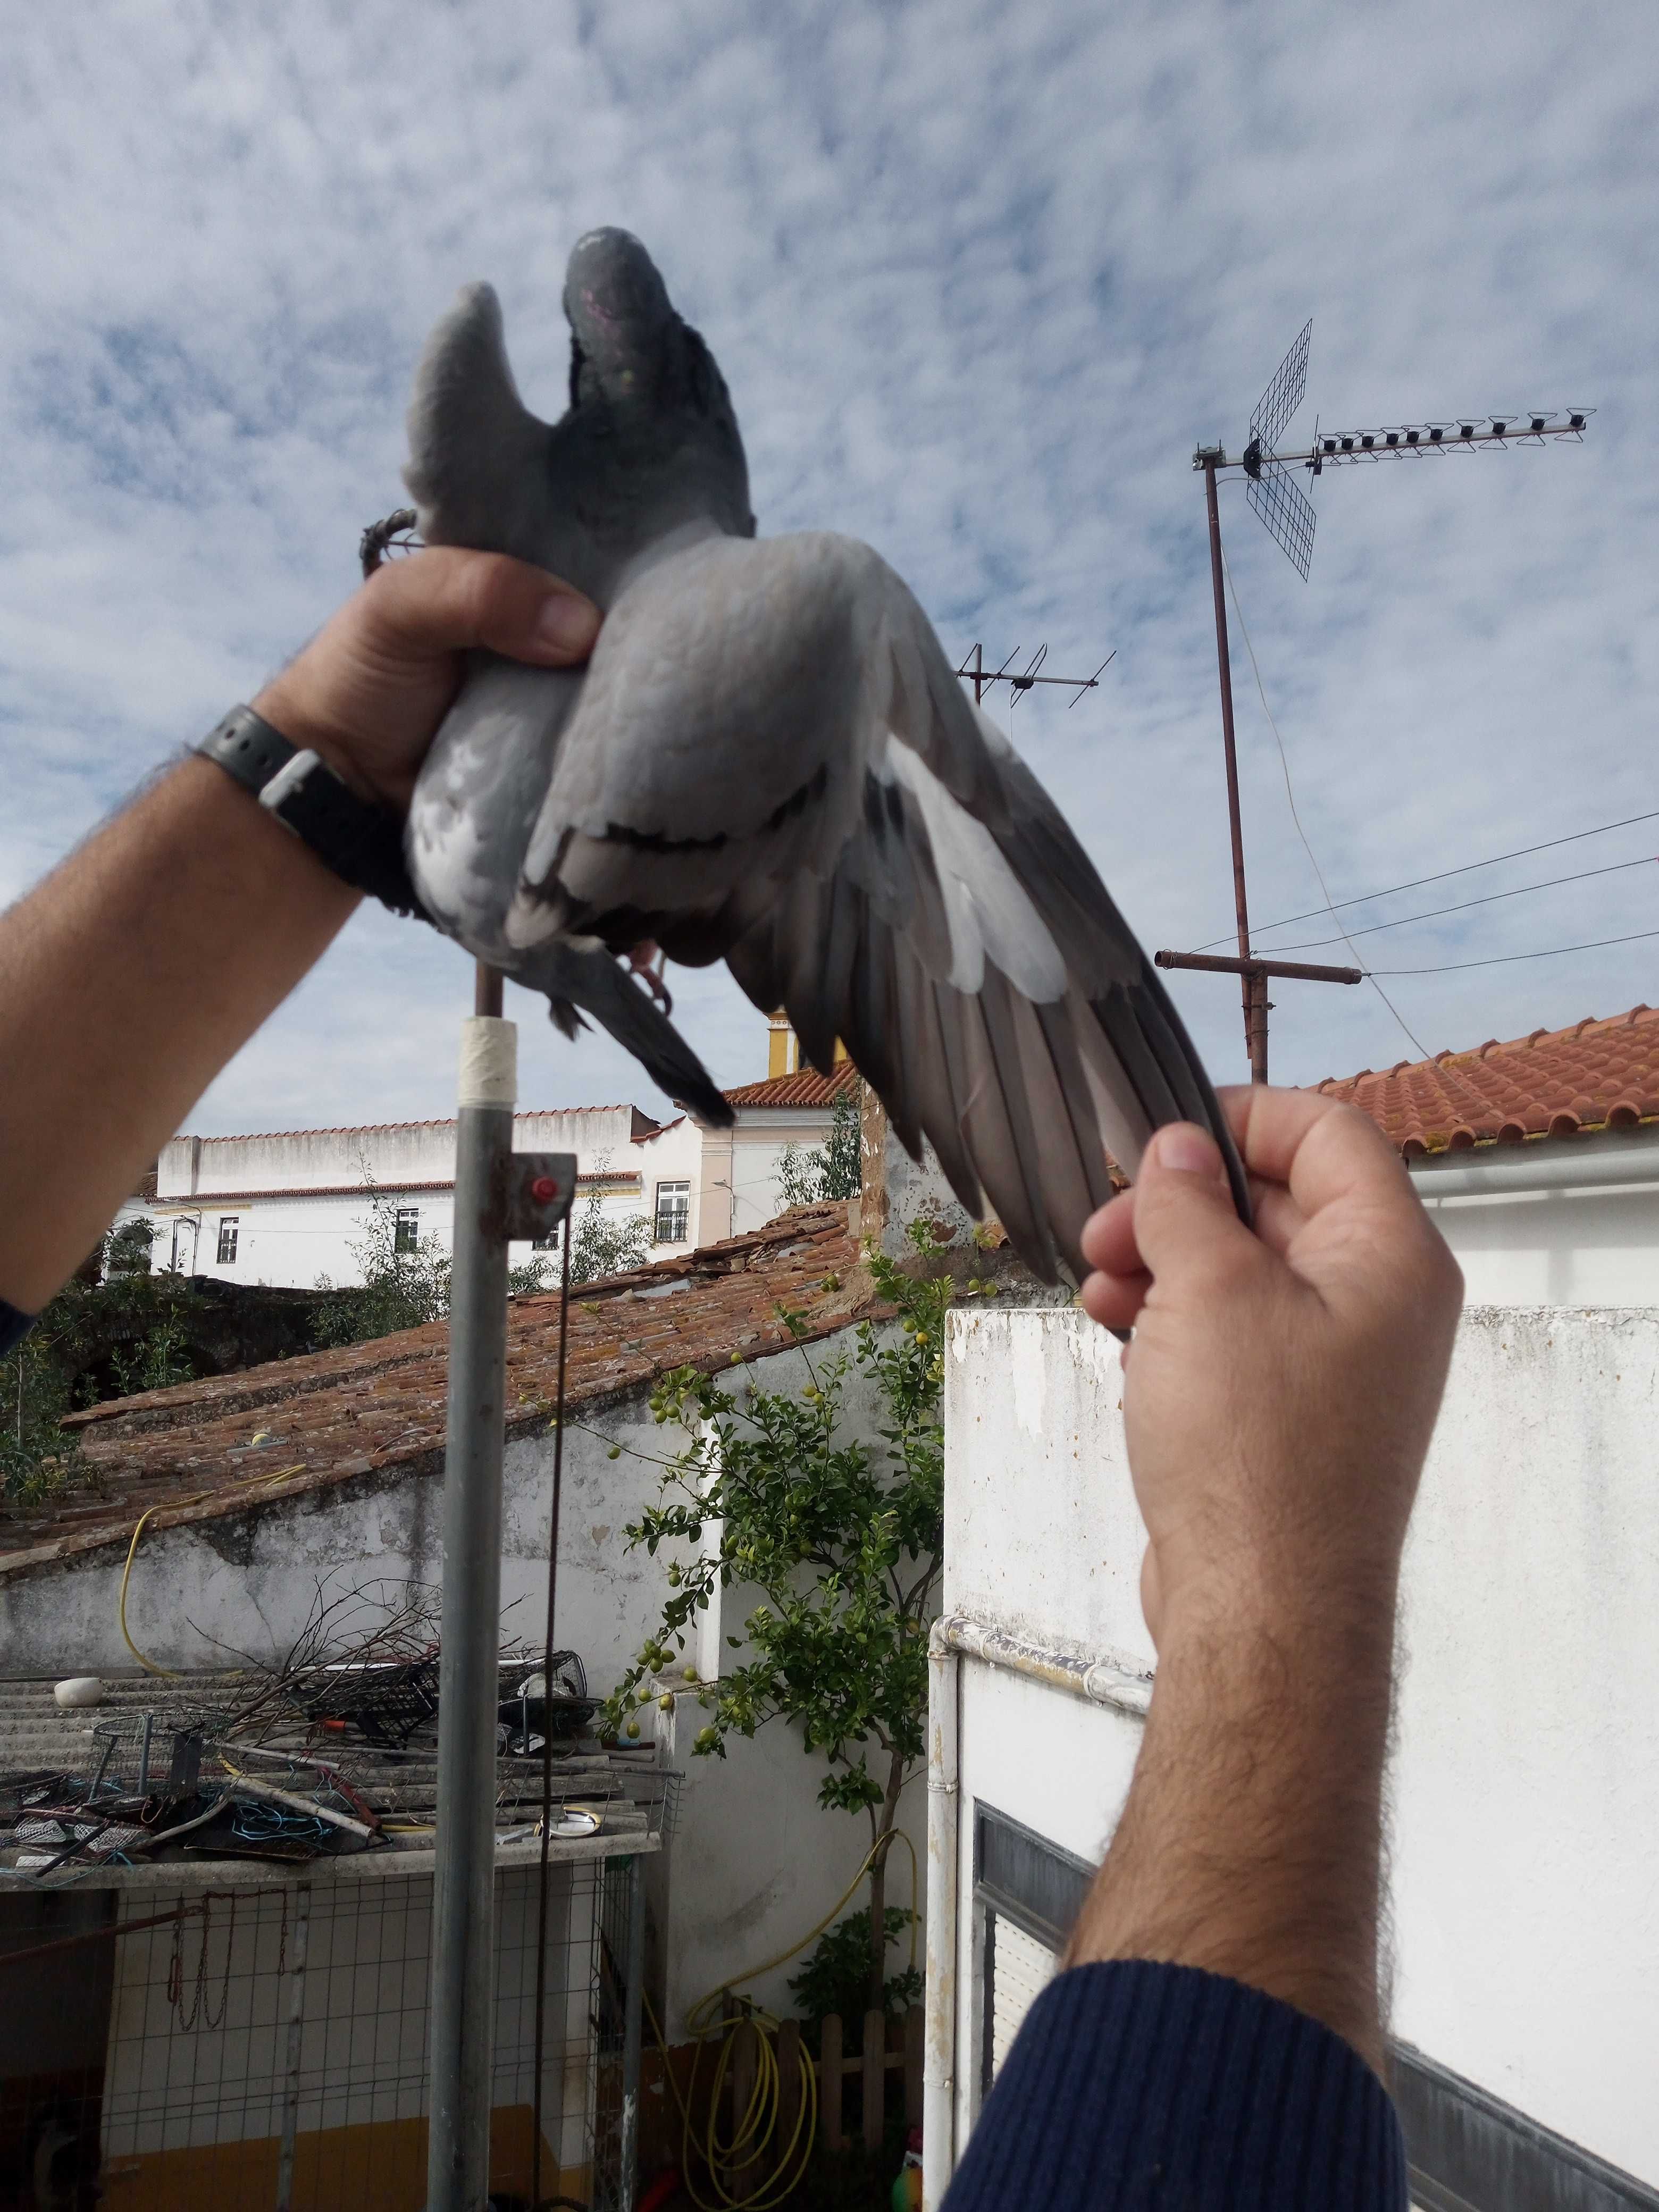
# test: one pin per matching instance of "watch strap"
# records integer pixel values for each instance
(362, 844)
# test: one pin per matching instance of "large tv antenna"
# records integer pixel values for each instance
(1287, 513)
(983, 679)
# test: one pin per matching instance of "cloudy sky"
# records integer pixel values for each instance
(979, 277)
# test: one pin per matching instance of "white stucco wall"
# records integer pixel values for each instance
(756, 1862)
(740, 1166)
(298, 1197)
(1549, 1248)
(1526, 1788)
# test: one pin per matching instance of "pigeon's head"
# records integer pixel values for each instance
(645, 386)
(621, 320)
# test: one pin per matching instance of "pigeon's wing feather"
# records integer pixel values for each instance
(587, 977)
(794, 777)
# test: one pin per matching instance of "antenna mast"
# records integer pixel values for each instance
(1288, 516)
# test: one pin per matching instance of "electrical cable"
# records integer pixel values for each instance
(177, 1504)
(1370, 929)
(1284, 763)
(1503, 959)
(1464, 868)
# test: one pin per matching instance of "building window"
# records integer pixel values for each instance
(227, 1240)
(673, 1212)
(408, 1236)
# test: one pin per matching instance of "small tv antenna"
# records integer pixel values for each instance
(1287, 513)
(982, 678)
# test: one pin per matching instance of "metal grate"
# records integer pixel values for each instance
(1278, 501)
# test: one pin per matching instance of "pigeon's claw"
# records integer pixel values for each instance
(647, 962)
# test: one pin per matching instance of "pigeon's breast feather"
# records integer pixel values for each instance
(725, 679)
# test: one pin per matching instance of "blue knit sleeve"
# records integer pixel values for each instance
(14, 1325)
(1135, 2087)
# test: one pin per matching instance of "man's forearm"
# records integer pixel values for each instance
(1249, 1842)
(127, 979)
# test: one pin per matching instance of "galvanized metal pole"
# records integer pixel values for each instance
(464, 1901)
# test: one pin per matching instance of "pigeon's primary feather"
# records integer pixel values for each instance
(769, 761)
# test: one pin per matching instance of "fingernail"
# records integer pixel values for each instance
(567, 624)
(1187, 1149)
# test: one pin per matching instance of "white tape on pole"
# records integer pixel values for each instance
(489, 1062)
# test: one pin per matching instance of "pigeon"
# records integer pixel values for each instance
(769, 760)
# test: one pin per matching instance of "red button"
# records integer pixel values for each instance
(544, 1190)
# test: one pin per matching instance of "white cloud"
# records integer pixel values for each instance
(979, 278)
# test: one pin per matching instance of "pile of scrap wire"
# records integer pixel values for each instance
(154, 1793)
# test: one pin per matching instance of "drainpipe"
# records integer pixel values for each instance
(1567, 1163)
(939, 2050)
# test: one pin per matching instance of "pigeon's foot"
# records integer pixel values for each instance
(645, 960)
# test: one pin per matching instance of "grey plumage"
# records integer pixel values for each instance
(769, 760)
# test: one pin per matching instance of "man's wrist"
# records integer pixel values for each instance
(280, 706)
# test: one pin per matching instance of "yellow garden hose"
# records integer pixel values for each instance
(753, 2130)
(174, 1505)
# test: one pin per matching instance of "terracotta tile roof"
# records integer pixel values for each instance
(1554, 1083)
(805, 1088)
(330, 1417)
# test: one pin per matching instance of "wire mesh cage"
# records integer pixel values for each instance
(264, 2047)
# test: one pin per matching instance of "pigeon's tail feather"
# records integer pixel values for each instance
(592, 980)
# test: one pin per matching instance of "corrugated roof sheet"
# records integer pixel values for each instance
(804, 1088)
(1597, 1075)
(332, 1416)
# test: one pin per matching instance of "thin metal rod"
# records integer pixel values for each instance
(632, 2009)
(296, 2013)
(1254, 998)
(464, 1901)
(1296, 971)
(487, 990)
(547, 1724)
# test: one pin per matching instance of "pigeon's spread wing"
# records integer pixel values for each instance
(867, 852)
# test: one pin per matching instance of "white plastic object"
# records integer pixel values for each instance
(80, 1690)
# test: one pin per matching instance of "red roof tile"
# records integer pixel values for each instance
(1553, 1083)
(804, 1088)
(329, 1416)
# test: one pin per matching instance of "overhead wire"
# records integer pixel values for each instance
(1463, 868)
(1503, 959)
(1284, 763)
(1434, 913)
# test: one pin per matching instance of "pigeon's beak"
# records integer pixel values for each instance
(618, 309)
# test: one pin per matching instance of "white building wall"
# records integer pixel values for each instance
(1553, 1247)
(1526, 1786)
(299, 1201)
(759, 1142)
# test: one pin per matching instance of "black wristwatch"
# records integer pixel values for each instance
(362, 844)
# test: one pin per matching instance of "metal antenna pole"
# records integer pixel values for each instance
(464, 1899)
(1272, 492)
(1253, 986)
